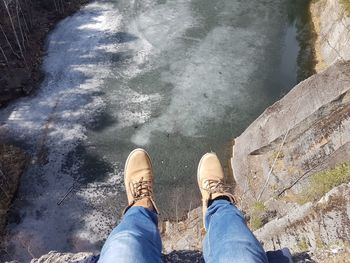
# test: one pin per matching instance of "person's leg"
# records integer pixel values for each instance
(136, 238)
(228, 238)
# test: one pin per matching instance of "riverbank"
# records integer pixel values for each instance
(24, 28)
(12, 164)
(21, 74)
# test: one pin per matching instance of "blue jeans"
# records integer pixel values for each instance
(137, 240)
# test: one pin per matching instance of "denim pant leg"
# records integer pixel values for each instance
(135, 239)
(228, 239)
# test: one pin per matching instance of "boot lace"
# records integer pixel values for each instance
(215, 186)
(141, 189)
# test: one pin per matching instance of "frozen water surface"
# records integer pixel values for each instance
(178, 78)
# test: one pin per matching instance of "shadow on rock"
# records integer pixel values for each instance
(184, 256)
(302, 257)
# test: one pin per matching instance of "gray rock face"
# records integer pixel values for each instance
(305, 132)
(324, 225)
(56, 257)
(332, 25)
(184, 235)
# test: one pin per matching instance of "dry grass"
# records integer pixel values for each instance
(256, 215)
(320, 184)
(302, 245)
(323, 182)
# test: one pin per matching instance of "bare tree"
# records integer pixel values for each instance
(56, 6)
(4, 55)
(28, 8)
(18, 18)
(26, 28)
(14, 29)
(9, 43)
(20, 26)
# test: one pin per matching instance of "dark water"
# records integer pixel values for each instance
(179, 78)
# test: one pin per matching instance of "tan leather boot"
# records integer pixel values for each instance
(210, 176)
(138, 179)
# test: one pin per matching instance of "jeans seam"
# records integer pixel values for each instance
(208, 233)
